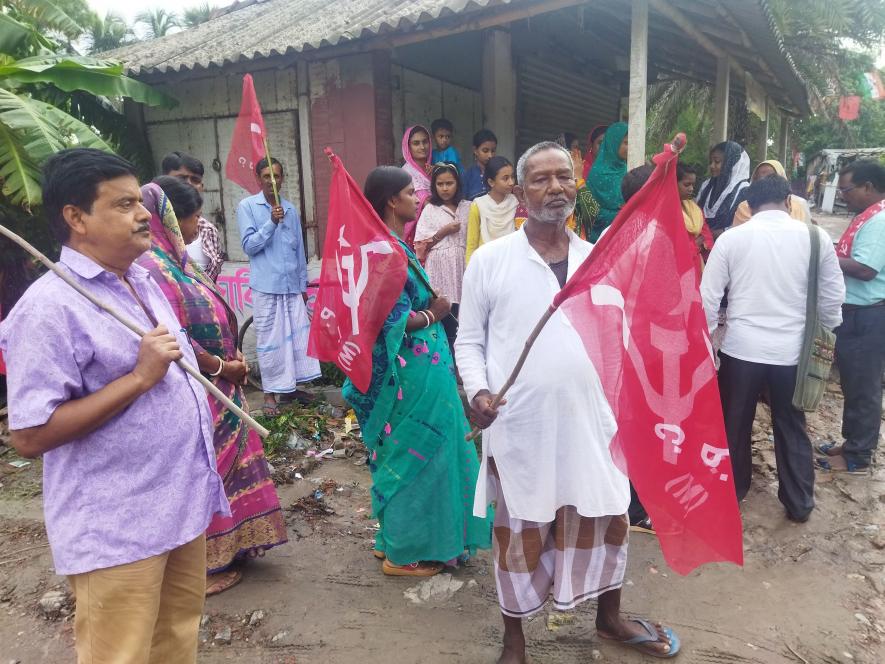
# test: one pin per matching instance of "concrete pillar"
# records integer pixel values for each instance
(720, 109)
(499, 91)
(783, 146)
(638, 83)
(762, 147)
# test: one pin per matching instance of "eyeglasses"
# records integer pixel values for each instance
(844, 190)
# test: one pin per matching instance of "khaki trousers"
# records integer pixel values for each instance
(146, 612)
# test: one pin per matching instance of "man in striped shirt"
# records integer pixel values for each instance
(206, 249)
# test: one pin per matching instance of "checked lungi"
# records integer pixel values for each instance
(282, 327)
(573, 557)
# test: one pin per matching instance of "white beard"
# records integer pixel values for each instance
(553, 216)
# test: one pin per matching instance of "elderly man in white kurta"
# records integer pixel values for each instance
(560, 523)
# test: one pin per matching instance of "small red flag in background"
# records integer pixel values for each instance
(636, 305)
(849, 108)
(247, 143)
(363, 273)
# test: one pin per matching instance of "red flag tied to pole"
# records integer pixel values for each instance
(364, 271)
(247, 146)
(636, 305)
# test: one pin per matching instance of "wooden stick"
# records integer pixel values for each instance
(496, 401)
(195, 373)
(273, 178)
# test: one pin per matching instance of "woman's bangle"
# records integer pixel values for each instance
(220, 368)
(432, 317)
(426, 318)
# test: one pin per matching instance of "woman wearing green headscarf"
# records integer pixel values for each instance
(604, 180)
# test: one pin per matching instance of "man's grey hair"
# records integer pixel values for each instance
(532, 151)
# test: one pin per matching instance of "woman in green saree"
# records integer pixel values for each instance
(604, 179)
(412, 419)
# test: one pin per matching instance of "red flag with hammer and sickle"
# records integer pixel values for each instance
(247, 142)
(363, 274)
(636, 305)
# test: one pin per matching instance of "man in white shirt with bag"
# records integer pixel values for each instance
(560, 520)
(764, 266)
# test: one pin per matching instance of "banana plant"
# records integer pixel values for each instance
(40, 83)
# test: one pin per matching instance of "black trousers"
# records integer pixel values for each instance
(740, 384)
(636, 512)
(860, 355)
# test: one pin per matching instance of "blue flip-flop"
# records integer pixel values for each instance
(852, 467)
(651, 636)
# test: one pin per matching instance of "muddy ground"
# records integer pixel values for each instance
(810, 593)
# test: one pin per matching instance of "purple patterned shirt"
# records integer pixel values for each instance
(143, 483)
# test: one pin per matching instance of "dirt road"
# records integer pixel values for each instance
(810, 593)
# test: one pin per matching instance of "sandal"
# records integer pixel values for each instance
(299, 396)
(413, 569)
(826, 448)
(380, 555)
(641, 642)
(851, 468)
(221, 581)
(270, 410)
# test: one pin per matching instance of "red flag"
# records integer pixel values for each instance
(364, 270)
(849, 108)
(247, 143)
(636, 305)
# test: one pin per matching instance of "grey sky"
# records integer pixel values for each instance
(129, 9)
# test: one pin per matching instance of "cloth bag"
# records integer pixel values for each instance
(818, 344)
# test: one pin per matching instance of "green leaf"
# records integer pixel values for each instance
(44, 129)
(74, 133)
(98, 77)
(30, 132)
(19, 173)
(35, 132)
(13, 34)
(49, 15)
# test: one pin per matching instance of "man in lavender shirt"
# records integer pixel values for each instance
(129, 479)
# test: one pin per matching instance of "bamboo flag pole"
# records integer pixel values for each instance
(64, 276)
(496, 400)
(677, 145)
(273, 178)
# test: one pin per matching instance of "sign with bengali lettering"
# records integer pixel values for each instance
(233, 284)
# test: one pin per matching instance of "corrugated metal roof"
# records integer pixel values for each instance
(254, 29)
(264, 28)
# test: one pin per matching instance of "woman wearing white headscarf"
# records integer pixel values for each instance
(719, 195)
(798, 206)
